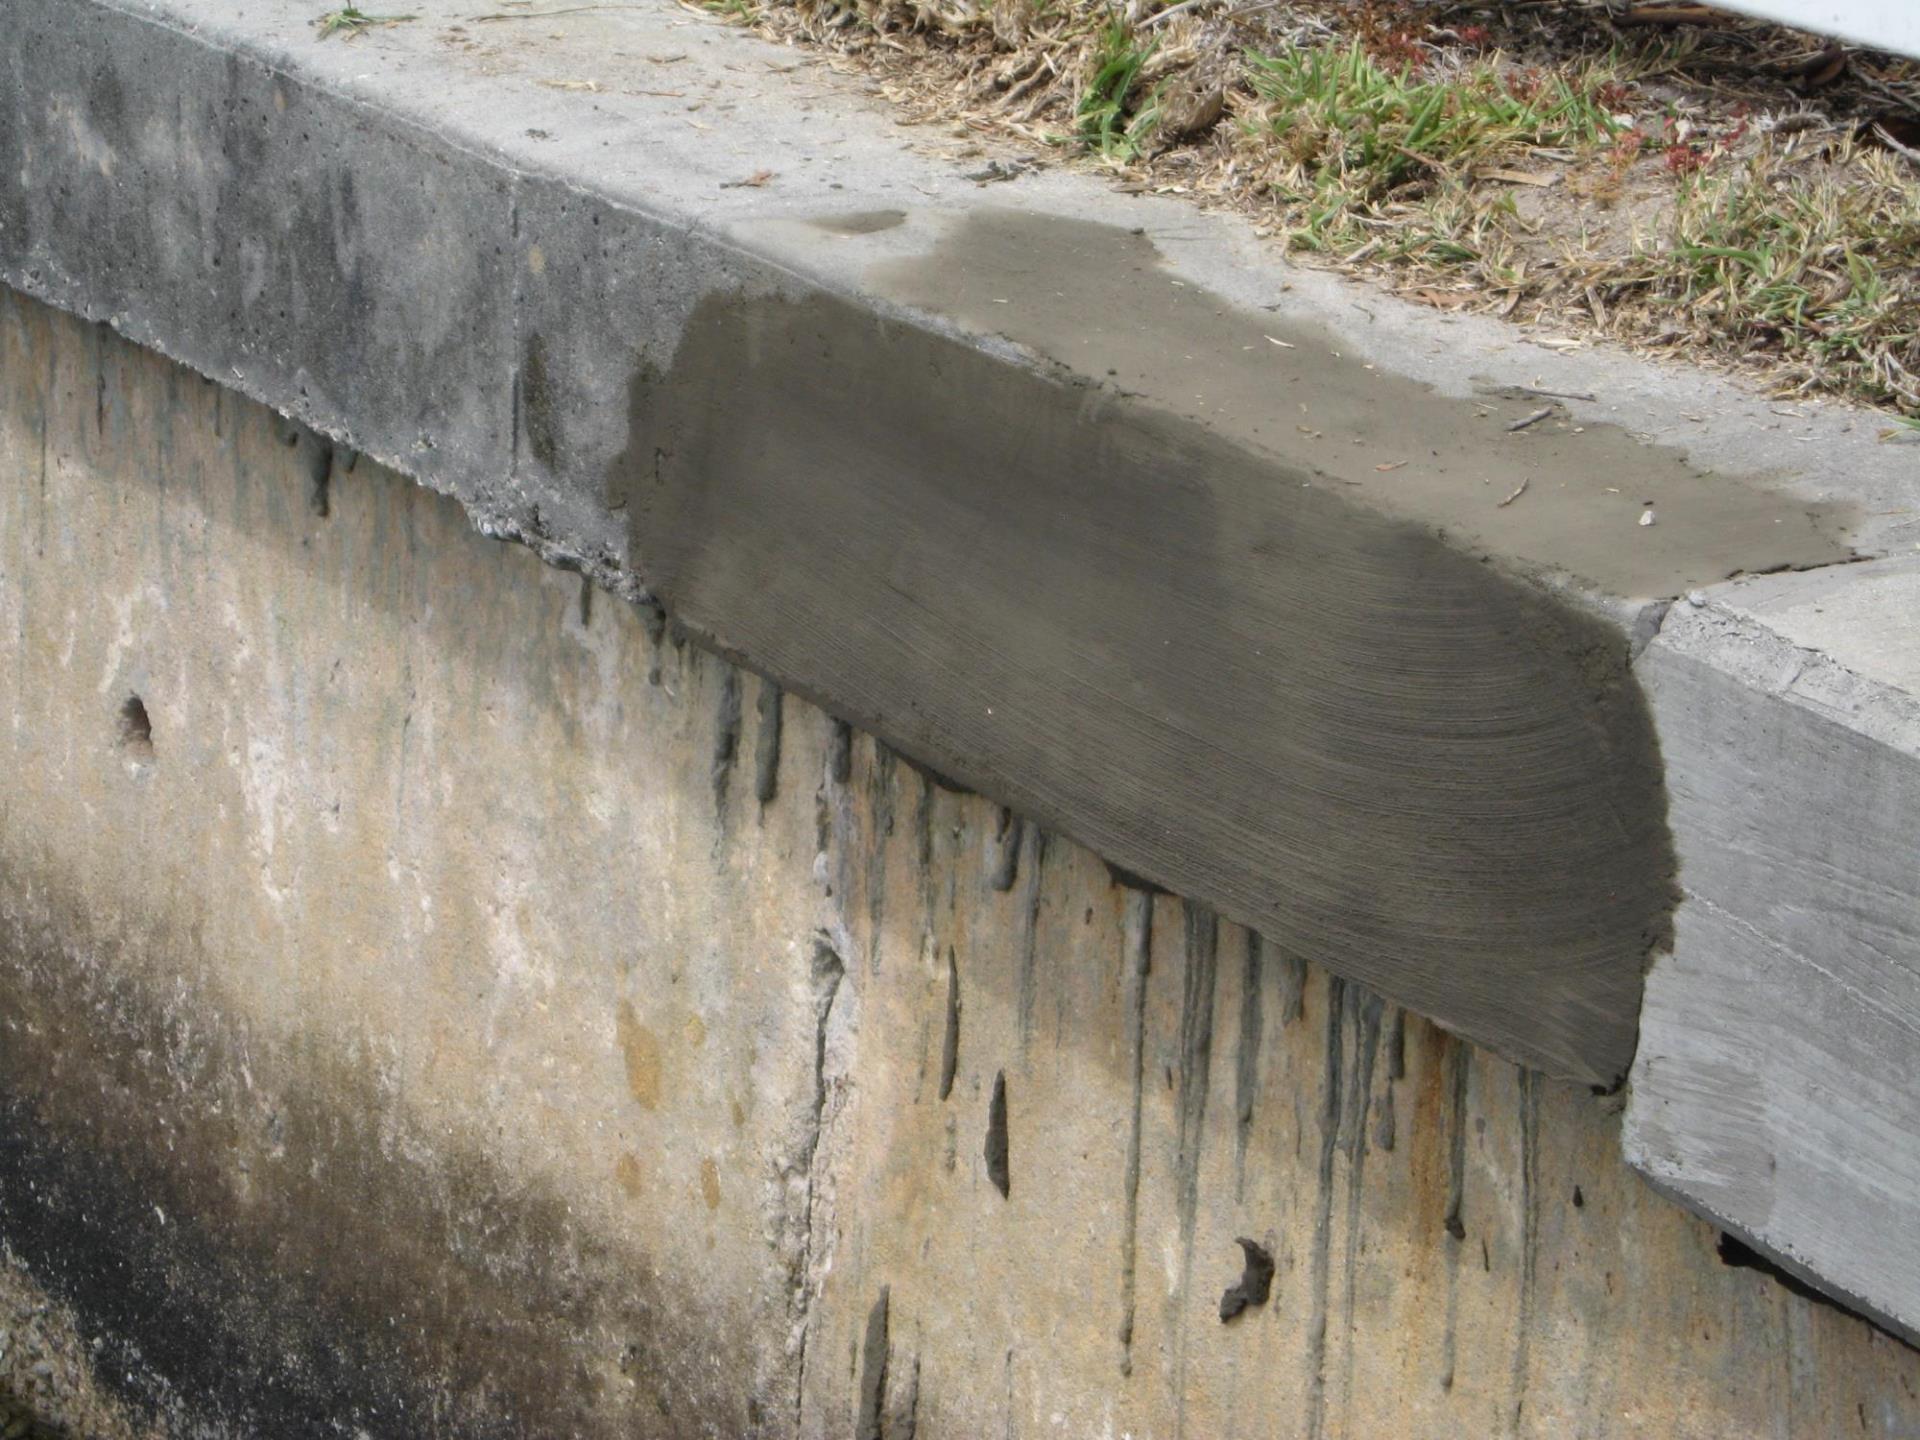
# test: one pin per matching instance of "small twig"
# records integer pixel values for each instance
(1172, 10)
(546, 14)
(1672, 15)
(1525, 420)
(1518, 491)
(1894, 145)
(1553, 394)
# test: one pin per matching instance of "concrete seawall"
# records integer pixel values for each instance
(653, 792)
(450, 1005)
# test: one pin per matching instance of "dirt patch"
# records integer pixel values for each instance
(48, 1389)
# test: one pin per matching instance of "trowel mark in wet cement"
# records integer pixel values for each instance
(1199, 661)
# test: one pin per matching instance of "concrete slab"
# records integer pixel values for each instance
(1774, 1088)
(549, 225)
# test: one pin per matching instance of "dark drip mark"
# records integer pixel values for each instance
(1246, 1077)
(1196, 1065)
(1293, 987)
(1255, 1283)
(1330, 1118)
(1580, 1203)
(1454, 1080)
(839, 751)
(320, 477)
(880, 789)
(873, 1372)
(726, 734)
(822, 830)
(1529, 1237)
(923, 826)
(586, 603)
(655, 620)
(905, 1413)
(1028, 977)
(1196, 1059)
(1137, 933)
(1384, 1134)
(1457, 1138)
(1005, 864)
(1127, 880)
(766, 755)
(346, 459)
(950, 1044)
(996, 1149)
(939, 779)
(1370, 1008)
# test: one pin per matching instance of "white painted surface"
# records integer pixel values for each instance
(1885, 24)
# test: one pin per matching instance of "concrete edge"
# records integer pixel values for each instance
(1772, 1093)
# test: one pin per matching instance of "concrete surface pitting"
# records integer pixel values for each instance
(464, 245)
(529, 1068)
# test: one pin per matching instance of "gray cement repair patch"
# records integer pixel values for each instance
(1429, 774)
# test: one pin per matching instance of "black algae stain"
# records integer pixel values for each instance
(950, 1040)
(873, 1370)
(998, 1160)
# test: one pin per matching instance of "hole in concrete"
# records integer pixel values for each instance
(136, 729)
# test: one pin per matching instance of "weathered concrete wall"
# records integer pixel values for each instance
(446, 1006)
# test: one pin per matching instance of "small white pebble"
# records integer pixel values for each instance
(1646, 517)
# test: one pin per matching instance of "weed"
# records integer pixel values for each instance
(1369, 129)
(351, 20)
(1105, 123)
(1822, 271)
(1573, 191)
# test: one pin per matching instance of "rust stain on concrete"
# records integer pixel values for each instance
(641, 1049)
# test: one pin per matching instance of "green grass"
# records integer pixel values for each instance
(1817, 269)
(351, 20)
(1562, 193)
(1105, 122)
(1354, 135)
